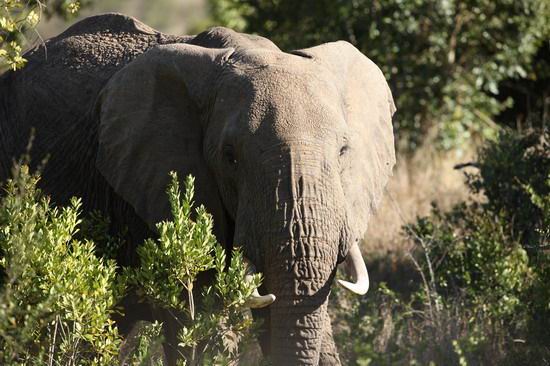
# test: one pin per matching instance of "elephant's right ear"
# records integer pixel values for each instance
(151, 123)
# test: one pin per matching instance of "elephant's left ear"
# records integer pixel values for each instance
(369, 108)
(151, 121)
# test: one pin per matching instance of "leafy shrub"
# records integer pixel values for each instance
(468, 256)
(170, 267)
(58, 293)
(56, 296)
(514, 177)
(468, 306)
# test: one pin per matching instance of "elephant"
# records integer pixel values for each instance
(290, 151)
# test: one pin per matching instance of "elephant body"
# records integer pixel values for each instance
(291, 151)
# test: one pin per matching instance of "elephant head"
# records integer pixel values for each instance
(291, 152)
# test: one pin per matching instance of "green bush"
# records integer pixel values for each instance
(514, 178)
(170, 267)
(58, 293)
(56, 296)
(467, 255)
(468, 306)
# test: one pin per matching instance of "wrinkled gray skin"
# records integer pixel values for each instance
(291, 151)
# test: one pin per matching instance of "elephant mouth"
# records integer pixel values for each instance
(354, 267)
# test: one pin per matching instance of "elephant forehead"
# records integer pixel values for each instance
(280, 75)
(298, 102)
(284, 99)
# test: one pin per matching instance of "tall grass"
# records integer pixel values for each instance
(425, 177)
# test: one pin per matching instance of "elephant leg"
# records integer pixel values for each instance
(328, 355)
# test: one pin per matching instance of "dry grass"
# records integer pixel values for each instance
(426, 177)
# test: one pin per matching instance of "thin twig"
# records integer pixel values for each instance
(191, 301)
(52, 346)
(426, 285)
(472, 164)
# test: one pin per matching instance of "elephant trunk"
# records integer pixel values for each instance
(299, 322)
(299, 244)
(300, 271)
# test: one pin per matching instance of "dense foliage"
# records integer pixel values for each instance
(445, 60)
(482, 294)
(58, 293)
(514, 177)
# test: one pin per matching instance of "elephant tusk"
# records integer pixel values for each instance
(256, 301)
(356, 268)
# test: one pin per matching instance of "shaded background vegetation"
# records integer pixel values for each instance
(459, 250)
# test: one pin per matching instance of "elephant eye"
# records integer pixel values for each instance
(229, 155)
(344, 149)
